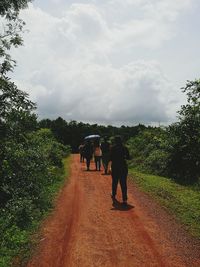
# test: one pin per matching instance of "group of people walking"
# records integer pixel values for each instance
(101, 153)
(116, 154)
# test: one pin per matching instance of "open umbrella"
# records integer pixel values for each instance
(92, 136)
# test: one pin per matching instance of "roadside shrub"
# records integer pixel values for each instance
(149, 150)
(184, 161)
(29, 169)
(157, 162)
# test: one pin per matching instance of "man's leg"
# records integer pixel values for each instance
(96, 162)
(99, 163)
(115, 179)
(103, 162)
(88, 163)
(123, 184)
(106, 165)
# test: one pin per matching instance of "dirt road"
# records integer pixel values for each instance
(85, 230)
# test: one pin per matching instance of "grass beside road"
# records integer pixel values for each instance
(181, 201)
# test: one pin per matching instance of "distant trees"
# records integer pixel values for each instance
(72, 133)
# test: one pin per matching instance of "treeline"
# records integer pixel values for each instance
(72, 133)
(173, 151)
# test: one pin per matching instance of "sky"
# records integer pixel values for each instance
(118, 62)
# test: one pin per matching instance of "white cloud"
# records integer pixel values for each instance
(67, 65)
(104, 94)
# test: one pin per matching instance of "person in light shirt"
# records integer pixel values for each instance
(97, 155)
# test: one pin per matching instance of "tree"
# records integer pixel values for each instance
(15, 110)
(30, 161)
(11, 27)
(14, 5)
(185, 137)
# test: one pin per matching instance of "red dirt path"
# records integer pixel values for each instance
(85, 230)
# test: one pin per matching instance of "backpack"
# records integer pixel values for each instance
(97, 151)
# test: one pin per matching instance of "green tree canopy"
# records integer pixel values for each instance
(12, 5)
(11, 27)
(185, 137)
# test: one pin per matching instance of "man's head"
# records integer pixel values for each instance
(118, 140)
(105, 138)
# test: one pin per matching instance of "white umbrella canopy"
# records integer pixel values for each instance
(92, 136)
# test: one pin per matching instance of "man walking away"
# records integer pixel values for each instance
(105, 148)
(118, 156)
(81, 147)
(97, 155)
(87, 153)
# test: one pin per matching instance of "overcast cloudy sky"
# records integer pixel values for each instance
(109, 61)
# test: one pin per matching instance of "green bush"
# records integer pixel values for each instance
(157, 162)
(149, 150)
(29, 171)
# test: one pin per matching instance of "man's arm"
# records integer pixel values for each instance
(127, 154)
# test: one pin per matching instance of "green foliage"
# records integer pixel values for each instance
(148, 150)
(185, 138)
(14, 5)
(72, 133)
(16, 117)
(31, 168)
(16, 240)
(10, 31)
(30, 161)
(13, 242)
(157, 161)
(182, 201)
(53, 150)
(174, 151)
(29, 172)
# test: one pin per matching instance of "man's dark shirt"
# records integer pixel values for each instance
(87, 150)
(105, 147)
(119, 154)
